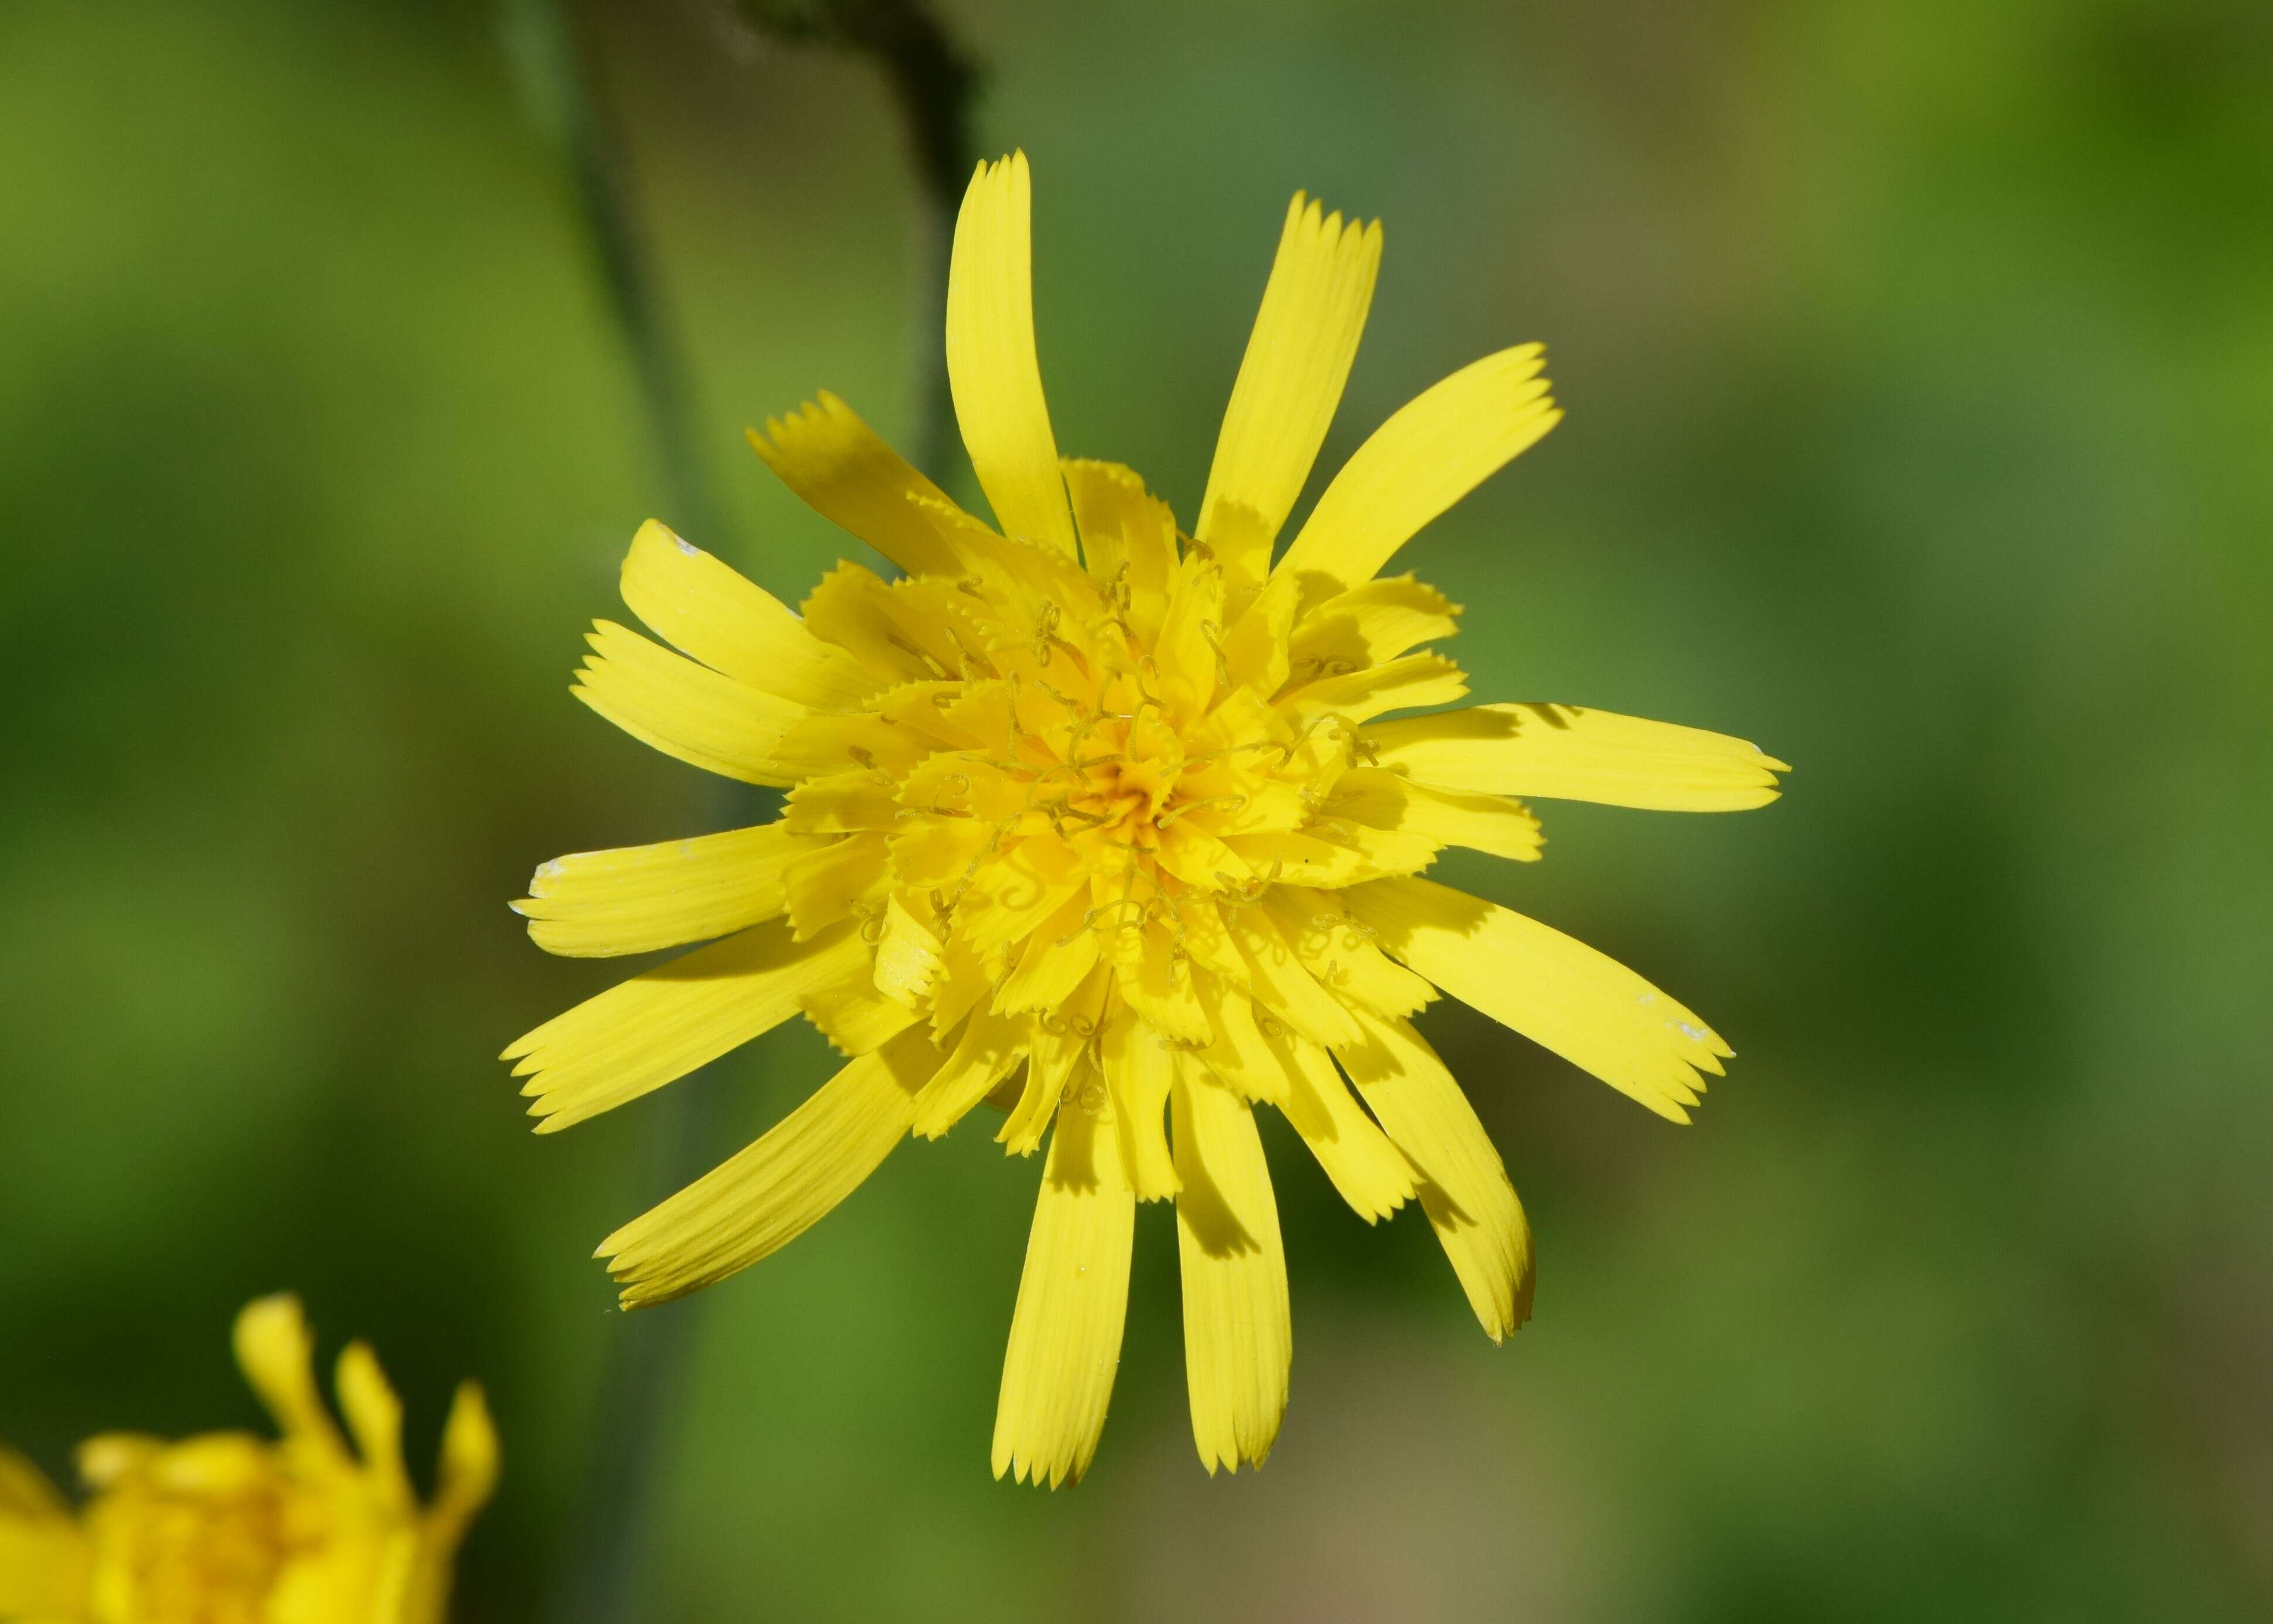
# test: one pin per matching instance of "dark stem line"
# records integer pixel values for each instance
(602, 1578)
(935, 86)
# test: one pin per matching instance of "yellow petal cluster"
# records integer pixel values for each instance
(227, 1527)
(1111, 826)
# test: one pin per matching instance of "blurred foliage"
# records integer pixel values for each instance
(1920, 369)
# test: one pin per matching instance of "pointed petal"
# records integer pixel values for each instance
(1463, 1185)
(1372, 1175)
(645, 1032)
(778, 1188)
(634, 899)
(466, 1474)
(1298, 358)
(1238, 1340)
(1381, 800)
(1428, 456)
(703, 716)
(991, 365)
(847, 474)
(1566, 752)
(1558, 992)
(1073, 1301)
(700, 605)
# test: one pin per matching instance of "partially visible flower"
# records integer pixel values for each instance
(1108, 825)
(227, 1527)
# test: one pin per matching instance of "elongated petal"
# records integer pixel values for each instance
(1337, 954)
(634, 899)
(1381, 800)
(654, 1027)
(1463, 1185)
(853, 1013)
(1238, 1340)
(1127, 536)
(1372, 1174)
(1281, 986)
(847, 474)
(1138, 1070)
(1360, 695)
(1432, 452)
(1559, 993)
(1369, 625)
(991, 1047)
(1073, 1301)
(466, 1474)
(1565, 753)
(277, 1353)
(1298, 358)
(374, 1417)
(700, 605)
(703, 717)
(779, 1186)
(991, 365)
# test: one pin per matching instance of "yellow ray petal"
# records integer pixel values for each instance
(1464, 1187)
(1129, 536)
(374, 1415)
(1298, 358)
(909, 957)
(1058, 957)
(847, 474)
(1372, 1174)
(44, 1559)
(859, 611)
(1381, 800)
(1157, 985)
(277, 1353)
(990, 1050)
(634, 899)
(855, 1014)
(1565, 753)
(778, 1188)
(1280, 985)
(827, 884)
(1559, 993)
(1238, 1340)
(1360, 695)
(1369, 625)
(844, 803)
(991, 364)
(1239, 1054)
(1073, 1300)
(466, 1474)
(687, 710)
(1188, 660)
(1432, 452)
(640, 1035)
(698, 603)
(1337, 954)
(1138, 1068)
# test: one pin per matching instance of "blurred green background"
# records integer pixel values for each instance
(1919, 364)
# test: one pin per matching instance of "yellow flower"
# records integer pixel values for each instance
(1114, 804)
(230, 1529)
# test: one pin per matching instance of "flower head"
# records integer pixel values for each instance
(227, 1527)
(1101, 822)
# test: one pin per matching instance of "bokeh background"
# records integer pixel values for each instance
(1919, 363)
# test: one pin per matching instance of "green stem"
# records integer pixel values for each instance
(602, 1577)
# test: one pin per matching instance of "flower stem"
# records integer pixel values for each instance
(935, 86)
(649, 1356)
(601, 1578)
